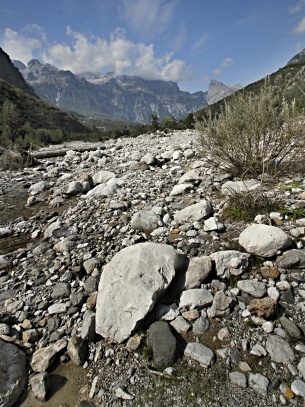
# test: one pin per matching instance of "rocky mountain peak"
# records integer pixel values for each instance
(297, 58)
(218, 90)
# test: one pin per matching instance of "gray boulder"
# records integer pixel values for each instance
(195, 298)
(264, 240)
(103, 190)
(130, 285)
(163, 344)
(40, 384)
(13, 373)
(73, 188)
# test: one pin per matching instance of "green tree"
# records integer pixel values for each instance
(154, 123)
(11, 120)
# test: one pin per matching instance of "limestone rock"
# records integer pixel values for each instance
(279, 350)
(229, 262)
(194, 212)
(195, 298)
(102, 177)
(258, 382)
(130, 286)
(77, 350)
(264, 240)
(198, 270)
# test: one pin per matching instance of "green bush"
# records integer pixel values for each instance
(253, 134)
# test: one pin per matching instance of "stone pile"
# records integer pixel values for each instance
(128, 250)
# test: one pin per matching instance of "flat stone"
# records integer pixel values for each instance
(301, 367)
(57, 308)
(144, 220)
(239, 187)
(181, 189)
(180, 324)
(255, 288)
(279, 350)
(194, 212)
(163, 343)
(264, 240)
(195, 298)
(290, 327)
(258, 382)
(202, 354)
(291, 259)
(239, 379)
(201, 325)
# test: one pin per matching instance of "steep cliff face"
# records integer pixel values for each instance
(218, 91)
(12, 75)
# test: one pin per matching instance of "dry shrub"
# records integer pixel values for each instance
(254, 134)
(14, 159)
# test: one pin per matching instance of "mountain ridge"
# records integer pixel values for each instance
(121, 96)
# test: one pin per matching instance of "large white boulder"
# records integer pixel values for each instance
(130, 286)
(264, 240)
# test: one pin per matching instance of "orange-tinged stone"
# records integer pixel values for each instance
(289, 394)
(174, 232)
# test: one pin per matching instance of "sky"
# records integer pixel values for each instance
(189, 42)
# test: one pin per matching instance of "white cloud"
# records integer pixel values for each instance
(225, 63)
(149, 17)
(83, 53)
(118, 54)
(22, 45)
(297, 8)
(300, 28)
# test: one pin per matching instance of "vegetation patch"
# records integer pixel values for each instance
(254, 134)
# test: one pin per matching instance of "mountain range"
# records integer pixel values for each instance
(124, 97)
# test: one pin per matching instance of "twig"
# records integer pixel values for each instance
(155, 372)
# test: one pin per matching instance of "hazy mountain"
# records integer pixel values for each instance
(218, 90)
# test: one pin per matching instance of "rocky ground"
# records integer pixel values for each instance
(134, 269)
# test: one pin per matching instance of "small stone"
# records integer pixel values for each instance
(238, 378)
(202, 354)
(223, 333)
(279, 350)
(180, 324)
(258, 382)
(264, 307)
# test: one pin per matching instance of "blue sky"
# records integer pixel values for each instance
(187, 41)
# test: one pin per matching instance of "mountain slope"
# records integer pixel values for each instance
(12, 75)
(218, 91)
(297, 58)
(289, 82)
(39, 114)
